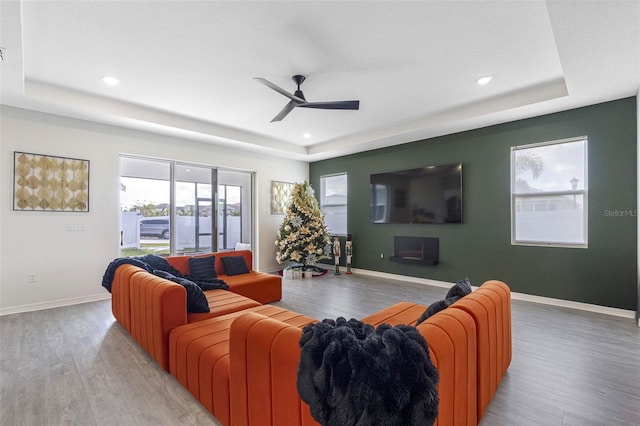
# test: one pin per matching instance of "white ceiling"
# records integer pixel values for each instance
(186, 68)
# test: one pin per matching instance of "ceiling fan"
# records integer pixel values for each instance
(297, 99)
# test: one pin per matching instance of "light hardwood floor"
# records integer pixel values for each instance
(76, 366)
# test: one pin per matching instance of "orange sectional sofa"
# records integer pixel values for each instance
(259, 286)
(489, 307)
(149, 307)
(241, 361)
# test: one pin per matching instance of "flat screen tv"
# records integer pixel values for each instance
(431, 194)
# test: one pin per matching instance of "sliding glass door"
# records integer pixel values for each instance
(145, 199)
(234, 209)
(194, 213)
(173, 208)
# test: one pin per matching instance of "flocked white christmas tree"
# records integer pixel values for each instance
(303, 235)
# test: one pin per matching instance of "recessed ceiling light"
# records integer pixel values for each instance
(110, 80)
(484, 80)
(306, 135)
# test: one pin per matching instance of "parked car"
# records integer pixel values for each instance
(155, 227)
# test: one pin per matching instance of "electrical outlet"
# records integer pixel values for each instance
(32, 277)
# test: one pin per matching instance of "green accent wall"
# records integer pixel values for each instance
(604, 274)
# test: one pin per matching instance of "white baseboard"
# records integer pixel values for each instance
(624, 313)
(607, 310)
(417, 280)
(53, 304)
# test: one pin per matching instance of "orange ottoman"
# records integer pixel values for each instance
(199, 356)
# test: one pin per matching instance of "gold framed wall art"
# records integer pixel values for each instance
(280, 196)
(50, 183)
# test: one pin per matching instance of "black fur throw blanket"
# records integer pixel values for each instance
(351, 374)
(153, 262)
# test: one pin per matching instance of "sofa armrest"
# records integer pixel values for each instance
(259, 286)
(503, 292)
(481, 309)
(157, 307)
(264, 355)
(120, 294)
(451, 337)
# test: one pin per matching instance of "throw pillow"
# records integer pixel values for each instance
(459, 289)
(196, 300)
(235, 265)
(436, 307)
(455, 293)
(203, 266)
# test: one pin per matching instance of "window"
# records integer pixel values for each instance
(193, 208)
(380, 203)
(169, 207)
(549, 193)
(145, 199)
(333, 202)
(229, 214)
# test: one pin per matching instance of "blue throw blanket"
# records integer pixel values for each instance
(153, 262)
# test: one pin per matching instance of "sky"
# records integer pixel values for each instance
(561, 163)
(157, 191)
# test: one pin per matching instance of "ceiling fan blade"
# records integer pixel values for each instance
(332, 105)
(286, 110)
(279, 90)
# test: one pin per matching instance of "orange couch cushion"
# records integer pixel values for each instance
(222, 302)
(401, 313)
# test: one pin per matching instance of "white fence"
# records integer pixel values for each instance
(184, 232)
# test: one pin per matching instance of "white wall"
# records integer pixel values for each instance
(638, 201)
(69, 264)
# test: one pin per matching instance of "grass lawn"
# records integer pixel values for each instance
(159, 249)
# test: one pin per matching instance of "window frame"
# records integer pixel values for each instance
(219, 176)
(346, 203)
(537, 195)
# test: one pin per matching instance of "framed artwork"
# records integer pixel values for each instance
(280, 196)
(50, 183)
